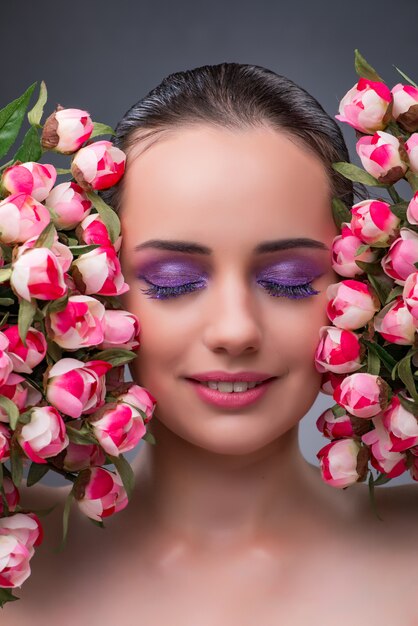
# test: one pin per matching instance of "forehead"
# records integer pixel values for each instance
(218, 185)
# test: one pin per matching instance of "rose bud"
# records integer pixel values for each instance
(341, 463)
(363, 395)
(6, 363)
(383, 458)
(98, 166)
(405, 106)
(121, 330)
(92, 230)
(19, 533)
(38, 274)
(78, 325)
(31, 178)
(65, 130)
(141, 399)
(344, 253)
(410, 295)
(70, 204)
(118, 427)
(329, 381)
(77, 457)
(75, 387)
(21, 217)
(99, 493)
(411, 147)
(334, 427)
(99, 272)
(24, 359)
(20, 392)
(366, 106)
(399, 260)
(11, 493)
(5, 438)
(381, 157)
(62, 252)
(395, 323)
(44, 435)
(412, 210)
(351, 304)
(338, 351)
(401, 425)
(373, 222)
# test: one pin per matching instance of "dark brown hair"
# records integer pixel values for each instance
(235, 95)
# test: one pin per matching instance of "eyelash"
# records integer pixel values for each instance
(274, 289)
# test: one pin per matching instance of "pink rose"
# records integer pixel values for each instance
(399, 260)
(411, 147)
(338, 351)
(383, 458)
(373, 222)
(410, 295)
(334, 427)
(6, 363)
(366, 106)
(99, 272)
(25, 358)
(344, 253)
(38, 274)
(351, 304)
(81, 456)
(21, 217)
(118, 428)
(339, 462)
(70, 204)
(395, 323)
(121, 330)
(401, 425)
(98, 166)
(380, 156)
(99, 493)
(61, 252)
(78, 325)
(92, 230)
(19, 533)
(405, 106)
(44, 435)
(5, 438)
(141, 399)
(31, 178)
(362, 395)
(75, 387)
(329, 382)
(65, 130)
(19, 391)
(11, 494)
(412, 210)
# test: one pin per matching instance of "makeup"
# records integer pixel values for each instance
(234, 400)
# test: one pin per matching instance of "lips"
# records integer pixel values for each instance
(225, 400)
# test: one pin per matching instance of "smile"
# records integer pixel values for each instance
(230, 394)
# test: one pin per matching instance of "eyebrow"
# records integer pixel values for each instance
(191, 247)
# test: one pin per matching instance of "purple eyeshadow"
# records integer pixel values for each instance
(171, 273)
(291, 272)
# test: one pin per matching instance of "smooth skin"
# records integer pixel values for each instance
(229, 524)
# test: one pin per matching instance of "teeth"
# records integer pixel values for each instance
(230, 387)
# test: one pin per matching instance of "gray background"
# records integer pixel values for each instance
(104, 57)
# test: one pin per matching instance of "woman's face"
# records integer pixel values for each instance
(238, 199)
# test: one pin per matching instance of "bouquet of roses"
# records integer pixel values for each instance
(369, 354)
(64, 338)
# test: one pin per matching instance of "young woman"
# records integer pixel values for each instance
(227, 227)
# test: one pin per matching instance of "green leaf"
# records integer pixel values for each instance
(25, 318)
(115, 356)
(57, 305)
(11, 410)
(373, 363)
(108, 215)
(6, 596)
(6, 302)
(399, 209)
(381, 287)
(394, 293)
(149, 438)
(82, 436)
(5, 274)
(340, 212)
(77, 250)
(65, 517)
(382, 479)
(363, 248)
(372, 497)
(11, 118)
(35, 114)
(63, 170)
(36, 472)
(412, 179)
(126, 473)
(370, 268)
(405, 76)
(412, 407)
(31, 149)
(364, 69)
(387, 359)
(46, 237)
(101, 129)
(404, 372)
(356, 174)
(16, 462)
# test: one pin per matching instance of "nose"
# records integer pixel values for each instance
(233, 321)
